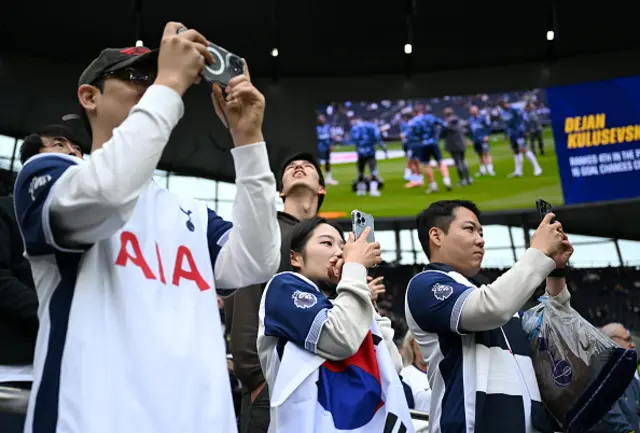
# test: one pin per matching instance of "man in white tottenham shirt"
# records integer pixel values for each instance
(130, 338)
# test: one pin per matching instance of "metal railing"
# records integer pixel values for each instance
(417, 415)
(13, 400)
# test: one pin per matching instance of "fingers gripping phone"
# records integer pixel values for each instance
(227, 65)
(359, 222)
(544, 208)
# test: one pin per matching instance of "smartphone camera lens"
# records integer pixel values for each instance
(358, 215)
(236, 65)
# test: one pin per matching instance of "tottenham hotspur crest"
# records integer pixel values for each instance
(441, 291)
(304, 299)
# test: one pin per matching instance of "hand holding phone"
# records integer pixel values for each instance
(361, 251)
(224, 67)
(544, 208)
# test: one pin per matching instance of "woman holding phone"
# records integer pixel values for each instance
(337, 355)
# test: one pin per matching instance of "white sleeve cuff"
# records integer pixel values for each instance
(541, 264)
(251, 160)
(354, 272)
(562, 297)
(162, 96)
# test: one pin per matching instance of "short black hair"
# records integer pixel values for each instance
(33, 142)
(440, 214)
(303, 156)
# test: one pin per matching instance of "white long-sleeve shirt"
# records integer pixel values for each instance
(126, 272)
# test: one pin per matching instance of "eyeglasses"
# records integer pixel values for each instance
(131, 74)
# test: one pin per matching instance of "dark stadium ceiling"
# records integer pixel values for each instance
(328, 37)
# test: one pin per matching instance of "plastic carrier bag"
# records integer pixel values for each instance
(581, 372)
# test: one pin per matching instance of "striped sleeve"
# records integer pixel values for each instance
(434, 302)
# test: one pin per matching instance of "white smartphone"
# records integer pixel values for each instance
(359, 222)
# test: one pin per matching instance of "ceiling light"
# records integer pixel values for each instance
(550, 35)
(274, 52)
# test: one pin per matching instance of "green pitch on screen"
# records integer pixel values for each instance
(490, 193)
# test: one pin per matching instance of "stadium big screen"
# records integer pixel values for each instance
(568, 144)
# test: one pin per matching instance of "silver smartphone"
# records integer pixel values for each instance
(359, 222)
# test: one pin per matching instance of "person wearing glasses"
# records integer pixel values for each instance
(126, 272)
(623, 416)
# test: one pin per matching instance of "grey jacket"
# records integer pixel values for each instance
(454, 135)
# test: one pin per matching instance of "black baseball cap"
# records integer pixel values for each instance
(304, 156)
(114, 59)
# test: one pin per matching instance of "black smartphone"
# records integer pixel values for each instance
(227, 65)
(544, 208)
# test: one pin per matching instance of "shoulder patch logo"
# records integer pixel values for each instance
(441, 291)
(37, 183)
(304, 299)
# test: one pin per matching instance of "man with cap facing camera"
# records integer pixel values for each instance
(130, 337)
(302, 188)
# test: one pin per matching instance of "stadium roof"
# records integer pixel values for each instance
(45, 45)
(327, 37)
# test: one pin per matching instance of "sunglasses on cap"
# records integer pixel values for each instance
(131, 74)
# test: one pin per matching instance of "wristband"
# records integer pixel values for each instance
(560, 272)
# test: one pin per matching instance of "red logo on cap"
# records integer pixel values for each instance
(135, 51)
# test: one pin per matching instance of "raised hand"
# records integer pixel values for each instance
(181, 58)
(549, 237)
(242, 112)
(376, 286)
(360, 251)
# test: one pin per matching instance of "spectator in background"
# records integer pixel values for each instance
(415, 373)
(456, 144)
(18, 298)
(302, 188)
(50, 139)
(18, 313)
(7, 181)
(623, 416)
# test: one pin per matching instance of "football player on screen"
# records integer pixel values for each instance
(479, 129)
(365, 135)
(515, 124)
(325, 145)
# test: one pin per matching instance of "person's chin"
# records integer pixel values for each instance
(475, 267)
